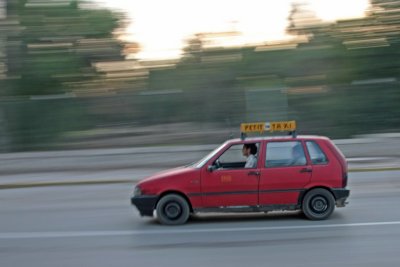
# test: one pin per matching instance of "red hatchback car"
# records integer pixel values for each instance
(306, 173)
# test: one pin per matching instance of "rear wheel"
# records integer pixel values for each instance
(318, 204)
(172, 209)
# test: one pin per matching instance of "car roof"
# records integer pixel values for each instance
(279, 138)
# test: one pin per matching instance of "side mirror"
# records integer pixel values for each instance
(211, 168)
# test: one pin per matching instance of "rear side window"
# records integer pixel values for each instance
(316, 154)
(282, 154)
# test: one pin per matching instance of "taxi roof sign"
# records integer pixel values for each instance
(260, 127)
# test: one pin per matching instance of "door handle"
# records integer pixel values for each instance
(253, 173)
(305, 170)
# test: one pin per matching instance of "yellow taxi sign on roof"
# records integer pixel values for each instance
(283, 126)
(260, 127)
(255, 127)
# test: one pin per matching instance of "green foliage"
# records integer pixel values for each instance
(44, 57)
(344, 81)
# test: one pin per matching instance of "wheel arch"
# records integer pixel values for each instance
(304, 192)
(168, 192)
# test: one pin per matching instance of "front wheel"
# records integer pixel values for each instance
(318, 204)
(172, 209)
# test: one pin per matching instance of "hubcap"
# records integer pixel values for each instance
(319, 204)
(172, 210)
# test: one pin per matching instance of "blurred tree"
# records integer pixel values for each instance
(208, 77)
(302, 21)
(338, 79)
(56, 44)
(193, 49)
(343, 79)
(355, 57)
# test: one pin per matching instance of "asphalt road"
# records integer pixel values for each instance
(96, 226)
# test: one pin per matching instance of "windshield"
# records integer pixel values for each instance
(204, 160)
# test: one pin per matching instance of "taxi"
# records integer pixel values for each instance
(251, 174)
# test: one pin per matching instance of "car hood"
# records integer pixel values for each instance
(170, 173)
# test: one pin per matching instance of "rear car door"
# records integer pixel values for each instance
(327, 170)
(284, 174)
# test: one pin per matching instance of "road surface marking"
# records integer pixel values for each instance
(66, 234)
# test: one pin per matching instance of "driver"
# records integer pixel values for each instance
(250, 151)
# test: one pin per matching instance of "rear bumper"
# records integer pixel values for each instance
(341, 195)
(145, 204)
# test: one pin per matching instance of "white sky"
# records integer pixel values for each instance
(162, 26)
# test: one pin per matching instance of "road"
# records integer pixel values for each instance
(94, 225)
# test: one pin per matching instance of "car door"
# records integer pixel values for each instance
(285, 173)
(227, 183)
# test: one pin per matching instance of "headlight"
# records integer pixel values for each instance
(137, 191)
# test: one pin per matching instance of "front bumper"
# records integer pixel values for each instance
(145, 204)
(341, 195)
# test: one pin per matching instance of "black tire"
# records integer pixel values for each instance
(318, 204)
(172, 209)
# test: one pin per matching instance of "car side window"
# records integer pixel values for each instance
(283, 154)
(316, 154)
(233, 157)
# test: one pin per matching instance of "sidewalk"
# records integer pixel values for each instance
(373, 164)
(365, 153)
(133, 175)
(374, 152)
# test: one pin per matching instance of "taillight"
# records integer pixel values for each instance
(344, 180)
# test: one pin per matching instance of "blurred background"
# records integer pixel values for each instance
(87, 74)
(95, 95)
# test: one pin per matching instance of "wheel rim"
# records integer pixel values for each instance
(319, 204)
(172, 210)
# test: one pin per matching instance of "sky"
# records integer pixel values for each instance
(161, 27)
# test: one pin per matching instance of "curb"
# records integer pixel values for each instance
(375, 169)
(63, 183)
(126, 181)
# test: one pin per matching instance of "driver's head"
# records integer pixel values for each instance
(249, 149)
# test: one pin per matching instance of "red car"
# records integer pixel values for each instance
(306, 173)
